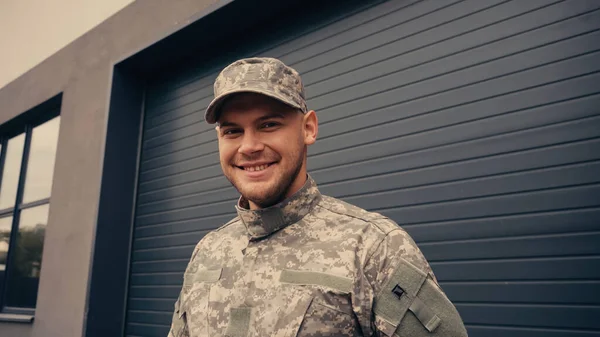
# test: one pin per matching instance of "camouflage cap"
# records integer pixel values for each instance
(262, 75)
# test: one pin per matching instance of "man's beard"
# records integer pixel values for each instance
(277, 192)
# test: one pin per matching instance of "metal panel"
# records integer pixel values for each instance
(473, 124)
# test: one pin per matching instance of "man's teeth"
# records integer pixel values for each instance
(256, 168)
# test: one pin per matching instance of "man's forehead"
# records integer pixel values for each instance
(252, 106)
(239, 117)
(251, 99)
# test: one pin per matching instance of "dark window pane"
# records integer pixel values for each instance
(40, 167)
(12, 168)
(24, 269)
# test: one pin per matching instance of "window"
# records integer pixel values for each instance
(26, 171)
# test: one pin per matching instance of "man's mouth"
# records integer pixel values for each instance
(254, 168)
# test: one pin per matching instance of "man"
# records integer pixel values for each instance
(295, 262)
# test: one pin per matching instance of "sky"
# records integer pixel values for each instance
(33, 30)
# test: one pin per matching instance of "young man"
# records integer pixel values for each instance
(295, 262)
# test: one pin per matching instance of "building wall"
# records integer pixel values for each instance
(82, 72)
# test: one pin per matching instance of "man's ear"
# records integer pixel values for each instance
(310, 127)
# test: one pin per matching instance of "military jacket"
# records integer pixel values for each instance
(311, 265)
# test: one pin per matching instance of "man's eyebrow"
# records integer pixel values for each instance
(271, 115)
(224, 124)
(258, 120)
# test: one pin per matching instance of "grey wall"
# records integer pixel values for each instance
(15, 329)
(82, 71)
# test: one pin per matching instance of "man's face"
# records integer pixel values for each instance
(262, 147)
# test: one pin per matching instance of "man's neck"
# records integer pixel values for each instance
(295, 187)
(265, 221)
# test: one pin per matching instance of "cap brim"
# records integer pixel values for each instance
(212, 111)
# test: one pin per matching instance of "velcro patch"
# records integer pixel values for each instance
(397, 293)
(239, 322)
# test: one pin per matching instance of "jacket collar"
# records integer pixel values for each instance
(263, 222)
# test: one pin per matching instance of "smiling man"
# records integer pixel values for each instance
(295, 262)
(262, 146)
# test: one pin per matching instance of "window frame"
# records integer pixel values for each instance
(7, 132)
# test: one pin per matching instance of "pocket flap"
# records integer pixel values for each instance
(302, 277)
(202, 275)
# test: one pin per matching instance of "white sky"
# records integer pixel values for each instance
(32, 30)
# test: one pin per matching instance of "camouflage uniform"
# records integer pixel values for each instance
(311, 265)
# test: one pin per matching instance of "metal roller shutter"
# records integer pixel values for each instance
(474, 124)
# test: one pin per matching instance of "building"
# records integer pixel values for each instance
(474, 124)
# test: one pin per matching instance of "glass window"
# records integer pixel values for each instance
(24, 276)
(24, 206)
(12, 170)
(40, 167)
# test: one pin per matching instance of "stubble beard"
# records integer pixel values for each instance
(275, 193)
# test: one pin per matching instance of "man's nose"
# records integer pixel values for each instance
(250, 144)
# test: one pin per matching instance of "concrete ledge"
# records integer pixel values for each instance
(16, 318)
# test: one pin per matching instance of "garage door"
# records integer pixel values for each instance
(473, 124)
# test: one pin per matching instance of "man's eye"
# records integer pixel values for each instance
(231, 132)
(269, 125)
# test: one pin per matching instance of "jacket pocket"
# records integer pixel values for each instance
(330, 310)
(292, 317)
(327, 321)
(195, 297)
(282, 316)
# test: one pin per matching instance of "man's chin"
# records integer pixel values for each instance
(259, 199)
(261, 193)
(263, 197)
